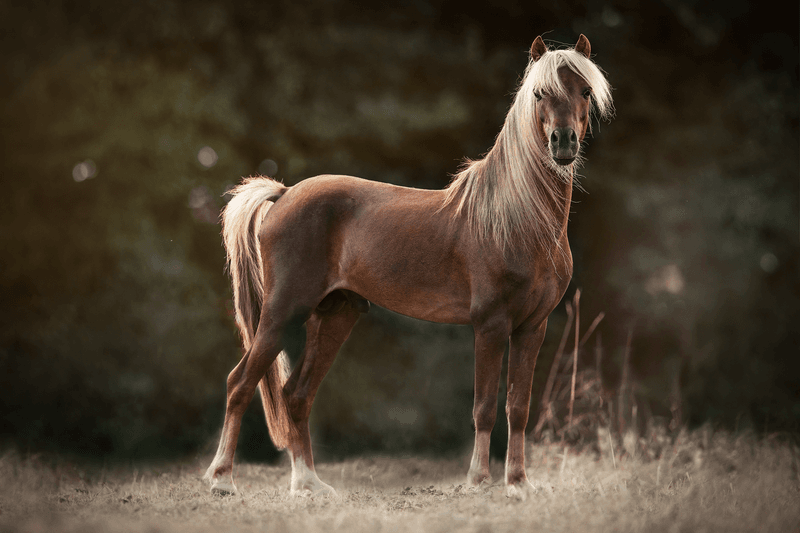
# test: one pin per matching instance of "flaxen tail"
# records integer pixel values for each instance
(241, 221)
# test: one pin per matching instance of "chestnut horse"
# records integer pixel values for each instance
(490, 250)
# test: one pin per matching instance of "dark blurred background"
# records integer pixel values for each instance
(123, 124)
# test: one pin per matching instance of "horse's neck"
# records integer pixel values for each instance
(559, 205)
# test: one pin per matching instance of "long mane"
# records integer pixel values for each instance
(511, 196)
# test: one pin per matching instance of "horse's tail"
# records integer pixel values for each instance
(241, 220)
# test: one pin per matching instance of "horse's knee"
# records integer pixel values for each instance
(517, 416)
(484, 414)
(298, 404)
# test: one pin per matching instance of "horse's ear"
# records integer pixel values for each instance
(538, 48)
(583, 46)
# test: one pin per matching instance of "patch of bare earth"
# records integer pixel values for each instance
(700, 483)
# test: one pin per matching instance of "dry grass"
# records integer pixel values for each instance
(701, 482)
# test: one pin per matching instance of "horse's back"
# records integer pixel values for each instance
(332, 187)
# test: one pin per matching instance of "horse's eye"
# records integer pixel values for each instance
(538, 95)
(587, 93)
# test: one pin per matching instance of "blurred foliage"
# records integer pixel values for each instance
(704, 262)
(123, 126)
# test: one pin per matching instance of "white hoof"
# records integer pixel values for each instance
(323, 490)
(478, 481)
(520, 491)
(312, 487)
(223, 488)
(305, 481)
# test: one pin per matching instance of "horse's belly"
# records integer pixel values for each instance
(417, 289)
(433, 306)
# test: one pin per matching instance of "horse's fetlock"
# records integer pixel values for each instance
(222, 470)
(516, 476)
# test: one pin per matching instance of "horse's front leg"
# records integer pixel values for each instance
(524, 349)
(490, 343)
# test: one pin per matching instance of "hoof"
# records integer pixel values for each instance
(223, 488)
(317, 489)
(520, 491)
(478, 480)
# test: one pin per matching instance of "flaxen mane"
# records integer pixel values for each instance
(509, 197)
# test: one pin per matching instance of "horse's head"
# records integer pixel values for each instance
(563, 102)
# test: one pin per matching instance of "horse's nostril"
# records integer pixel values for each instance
(563, 137)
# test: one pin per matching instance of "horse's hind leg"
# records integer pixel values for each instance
(524, 349)
(325, 335)
(242, 383)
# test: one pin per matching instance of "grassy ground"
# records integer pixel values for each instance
(701, 482)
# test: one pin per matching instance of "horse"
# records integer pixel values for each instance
(489, 250)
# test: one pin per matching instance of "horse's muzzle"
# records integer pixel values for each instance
(563, 145)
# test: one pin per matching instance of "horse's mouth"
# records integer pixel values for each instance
(564, 162)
